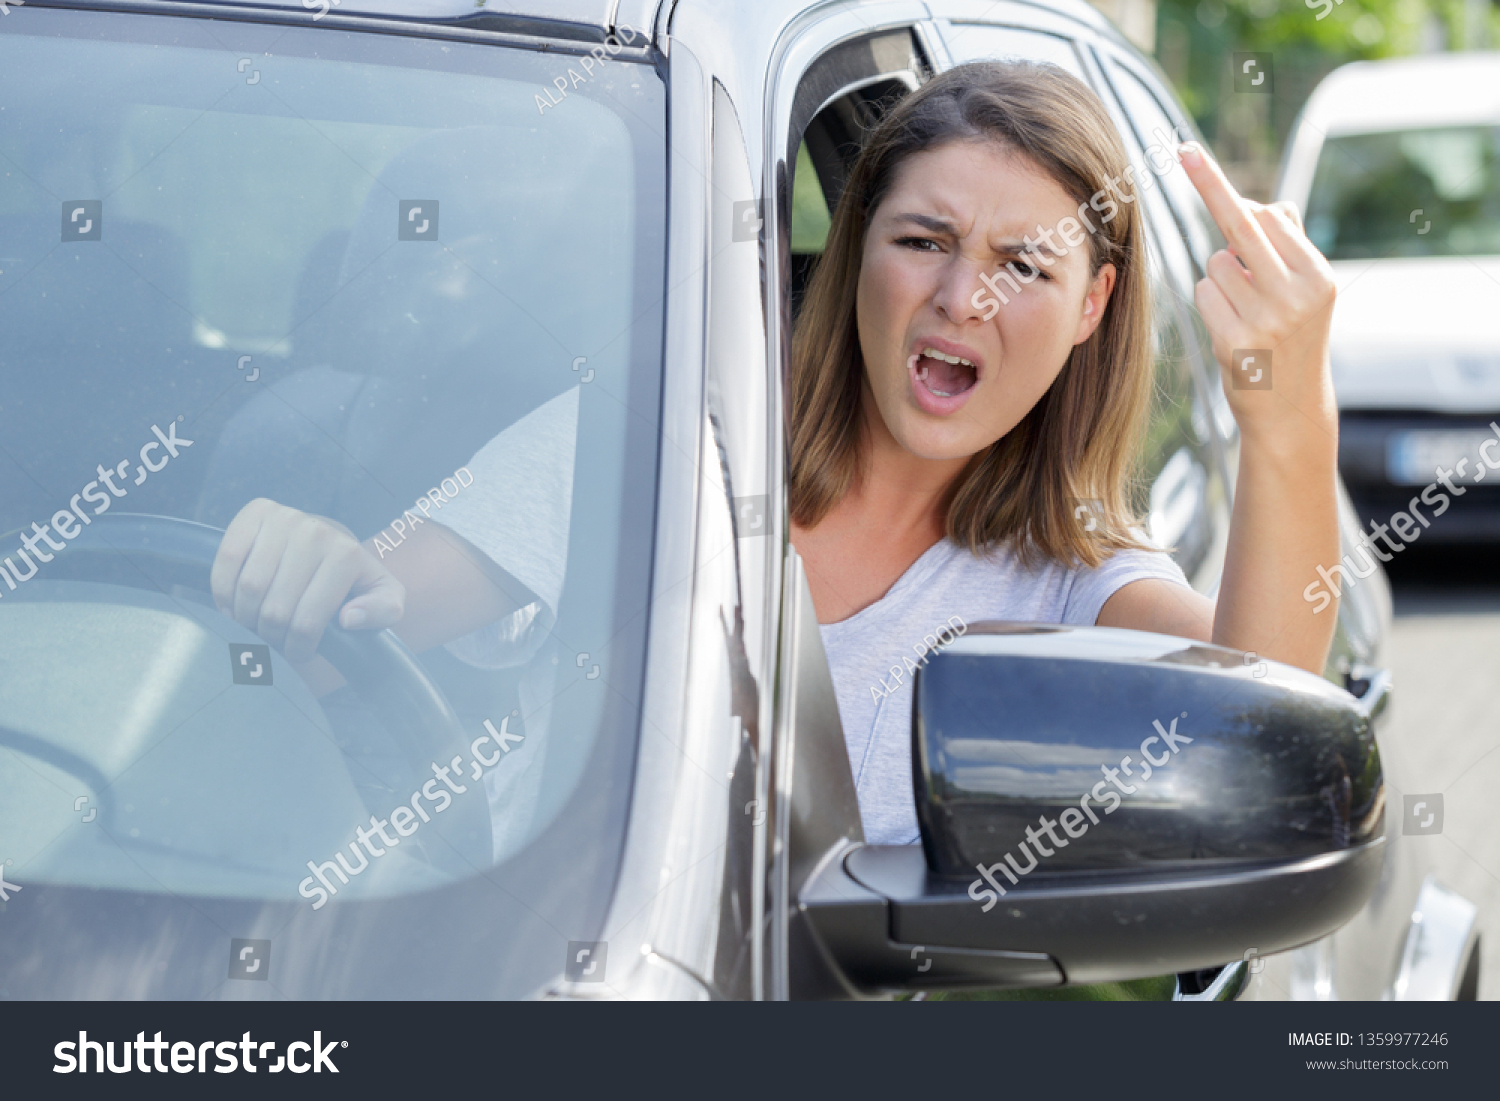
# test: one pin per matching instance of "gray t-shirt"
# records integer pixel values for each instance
(517, 510)
(873, 653)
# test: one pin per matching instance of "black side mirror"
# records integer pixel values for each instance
(1099, 805)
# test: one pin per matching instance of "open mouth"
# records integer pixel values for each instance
(943, 375)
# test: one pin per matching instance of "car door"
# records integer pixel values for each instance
(836, 75)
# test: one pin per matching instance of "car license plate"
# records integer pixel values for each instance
(1413, 458)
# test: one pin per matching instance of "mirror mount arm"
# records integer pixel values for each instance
(887, 923)
(852, 926)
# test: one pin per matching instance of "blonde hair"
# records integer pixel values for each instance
(1081, 439)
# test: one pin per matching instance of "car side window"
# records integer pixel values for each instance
(1184, 461)
(976, 41)
(811, 215)
(1185, 479)
(825, 154)
(1157, 129)
(1169, 204)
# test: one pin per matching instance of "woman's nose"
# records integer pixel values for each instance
(958, 294)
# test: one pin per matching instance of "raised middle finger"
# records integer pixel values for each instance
(1232, 214)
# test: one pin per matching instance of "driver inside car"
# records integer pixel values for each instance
(481, 574)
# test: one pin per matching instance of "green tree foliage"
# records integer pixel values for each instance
(1307, 39)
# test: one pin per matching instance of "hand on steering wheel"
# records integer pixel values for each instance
(284, 574)
(377, 665)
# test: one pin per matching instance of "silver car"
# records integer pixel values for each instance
(385, 258)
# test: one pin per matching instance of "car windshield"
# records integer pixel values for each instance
(403, 283)
(1431, 192)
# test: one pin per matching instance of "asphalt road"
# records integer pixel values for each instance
(1444, 654)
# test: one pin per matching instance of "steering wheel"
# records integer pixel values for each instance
(376, 664)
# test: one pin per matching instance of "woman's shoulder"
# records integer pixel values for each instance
(1009, 584)
(1147, 558)
(1009, 559)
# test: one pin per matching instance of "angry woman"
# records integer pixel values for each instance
(942, 437)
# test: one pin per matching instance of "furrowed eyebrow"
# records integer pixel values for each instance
(929, 223)
(1022, 248)
(1011, 247)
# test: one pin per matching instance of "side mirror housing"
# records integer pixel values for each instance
(1154, 757)
(1099, 805)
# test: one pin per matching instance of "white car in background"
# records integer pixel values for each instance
(1396, 166)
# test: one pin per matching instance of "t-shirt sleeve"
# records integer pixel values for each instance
(516, 511)
(1091, 589)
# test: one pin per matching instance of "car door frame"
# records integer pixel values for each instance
(808, 738)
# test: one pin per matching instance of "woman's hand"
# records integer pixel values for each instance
(284, 574)
(1272, 291)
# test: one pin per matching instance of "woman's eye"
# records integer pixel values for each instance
(1027, 271)
(920, 243)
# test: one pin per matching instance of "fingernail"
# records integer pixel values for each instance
(354, 618)
(1190, 152)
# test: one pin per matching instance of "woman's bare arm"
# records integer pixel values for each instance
(1271, 289)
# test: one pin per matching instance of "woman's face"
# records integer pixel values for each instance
(954, 213)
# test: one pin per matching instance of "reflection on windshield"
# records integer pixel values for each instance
(356, 305)
(1429, 192)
